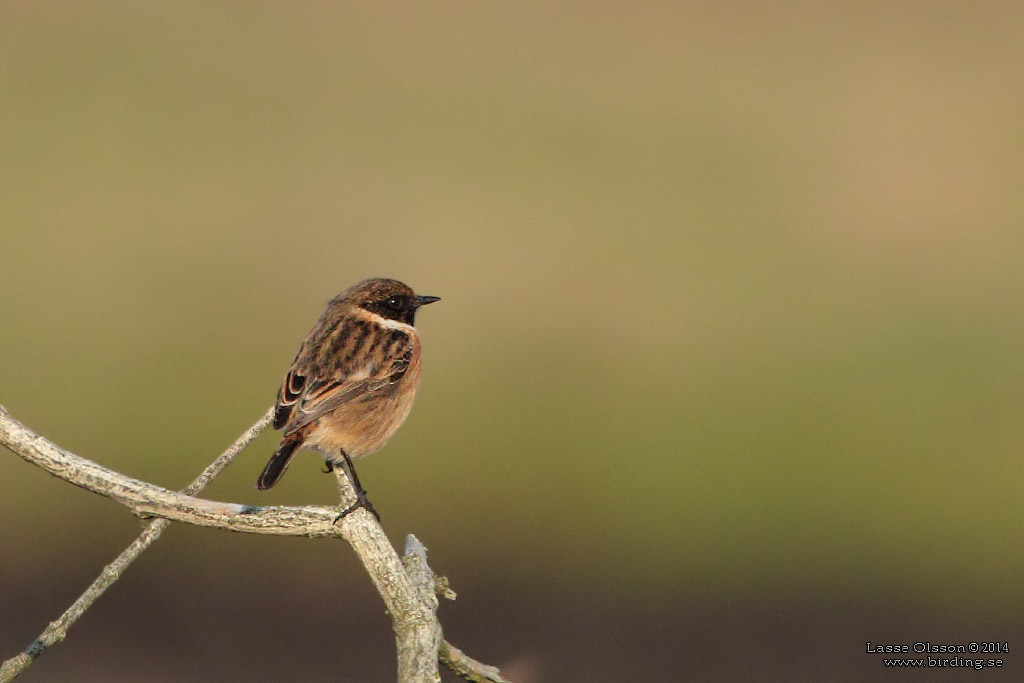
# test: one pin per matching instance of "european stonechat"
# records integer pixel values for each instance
(353, 380)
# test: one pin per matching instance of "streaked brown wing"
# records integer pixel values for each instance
(355, 359)
(290, 393)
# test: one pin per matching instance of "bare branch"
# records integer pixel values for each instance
(148, 500)
(57, 630)
(408, 595)
(419, 641)
(464, 666)
(430, 586)
(225, 458)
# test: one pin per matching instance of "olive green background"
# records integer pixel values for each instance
(727, 376)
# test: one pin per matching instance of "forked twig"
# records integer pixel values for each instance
(417, 630)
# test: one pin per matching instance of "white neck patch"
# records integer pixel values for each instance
(386, 322)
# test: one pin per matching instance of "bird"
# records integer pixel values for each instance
(352, 382)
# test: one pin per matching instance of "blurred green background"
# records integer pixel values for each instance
(727, 376)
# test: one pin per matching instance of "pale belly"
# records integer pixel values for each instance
(361, 427)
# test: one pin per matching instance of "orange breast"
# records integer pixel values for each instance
(363, 425)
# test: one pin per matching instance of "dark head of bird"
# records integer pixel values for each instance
(387, 298)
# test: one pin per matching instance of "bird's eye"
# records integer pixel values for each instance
(395, 302)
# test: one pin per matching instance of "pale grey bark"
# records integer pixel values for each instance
(408, 590)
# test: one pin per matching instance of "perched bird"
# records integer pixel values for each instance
(352, 382)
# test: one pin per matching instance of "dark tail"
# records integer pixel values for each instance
(279, 461)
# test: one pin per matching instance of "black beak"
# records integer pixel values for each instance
(424, 300)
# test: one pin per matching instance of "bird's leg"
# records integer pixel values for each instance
(328, 467)
(361, 500)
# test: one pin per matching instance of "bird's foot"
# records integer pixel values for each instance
(361, 502)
